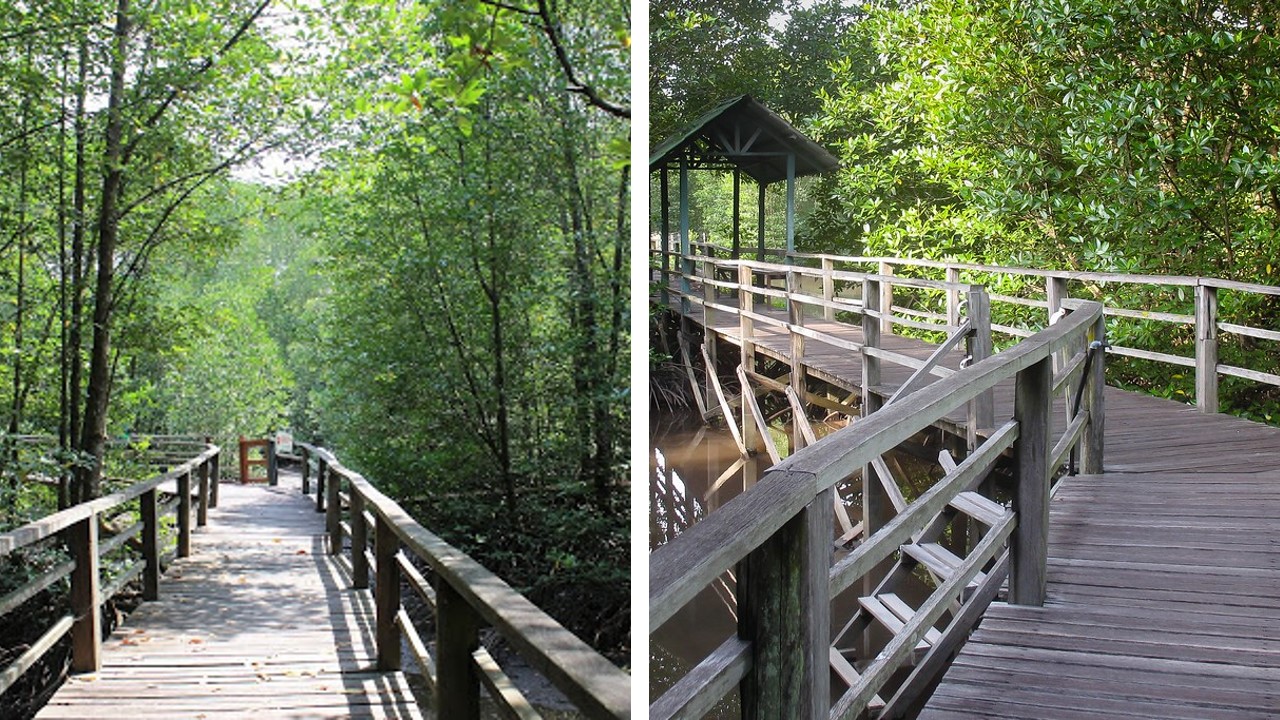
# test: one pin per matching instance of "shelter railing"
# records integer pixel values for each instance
(778, 535)
(463, 596)
(77, 529)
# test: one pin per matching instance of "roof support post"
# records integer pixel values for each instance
(686, 266)
(760, 225)
(791, 205)
(737, 212)
(664, 243)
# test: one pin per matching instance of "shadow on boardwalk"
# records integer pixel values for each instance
(257, 622)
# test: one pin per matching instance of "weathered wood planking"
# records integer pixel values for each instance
(1163, 580)
(1163, 584)
(258, 622)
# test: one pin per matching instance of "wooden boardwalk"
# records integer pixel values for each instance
(1163, 583)
(1163, 575)
(258, 622)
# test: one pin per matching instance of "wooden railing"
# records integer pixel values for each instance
(778, 535)
(1204, 318)
(77, 528)
(463, 596)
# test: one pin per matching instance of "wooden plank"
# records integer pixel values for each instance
(695, 694)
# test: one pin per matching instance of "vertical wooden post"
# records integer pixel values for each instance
(1207, 348)
(760, 224)
(1092, 448)
(322, 471)
(886, 299)
(387, 594)
(1055, 291)
(982, 407)
(150, 546)
(870, 337)
(737, 212)
(828, 288)
(273, 477)
(306, 470)
(184, 514)
(202, 509)
(664, 192)
(746, 326)
(686, 265)
(359, 542)
(333, 513)
(784, 610)
(244, 460)
(791, 205)
(795, 315)
(1032, 405)
(457, 636)
(875, 502)
(86, 633)
(953, 296)
(214, 474)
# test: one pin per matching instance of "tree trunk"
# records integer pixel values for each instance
(94, 436)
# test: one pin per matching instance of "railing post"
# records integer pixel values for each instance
(886, 299)
(244, 460)
(457, 637)
(333, 512)
(272, 469)
(306, 470)
(795, 316)
(1092, 447)
(202, 509)
(953, 296)
(359, 542)
(322, 470)
(828, 288)
(746, 327)
(1032, 405)
(982, 411)
(784, 611)
(150, 546)
(86, 633)
(1055, 291)
(708, 318)
(387, 594)
(870, 339)
(184, 514)
(214, 473)
(1207, 348)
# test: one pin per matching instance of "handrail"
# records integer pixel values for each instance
(465, 596)
(1205, 321)
(78, 525)
(778, 532)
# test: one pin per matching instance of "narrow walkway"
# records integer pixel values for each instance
(258, 623)
(1163, 584)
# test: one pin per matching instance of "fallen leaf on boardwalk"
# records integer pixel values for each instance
(139, 631)
(262, 677)
(275, 540)
(302, 552)
(195, 641)
(128, 641)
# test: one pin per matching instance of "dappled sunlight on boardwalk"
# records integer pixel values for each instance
(259, 622)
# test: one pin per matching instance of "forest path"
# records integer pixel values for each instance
(259, 621)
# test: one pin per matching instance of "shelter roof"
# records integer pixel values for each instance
(743, 133)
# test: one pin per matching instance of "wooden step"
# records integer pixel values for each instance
(887, 617)
(941, 561)
(846, 671)
(899, 607)
(979, 507)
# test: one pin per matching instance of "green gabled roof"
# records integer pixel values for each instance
(725, 131)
